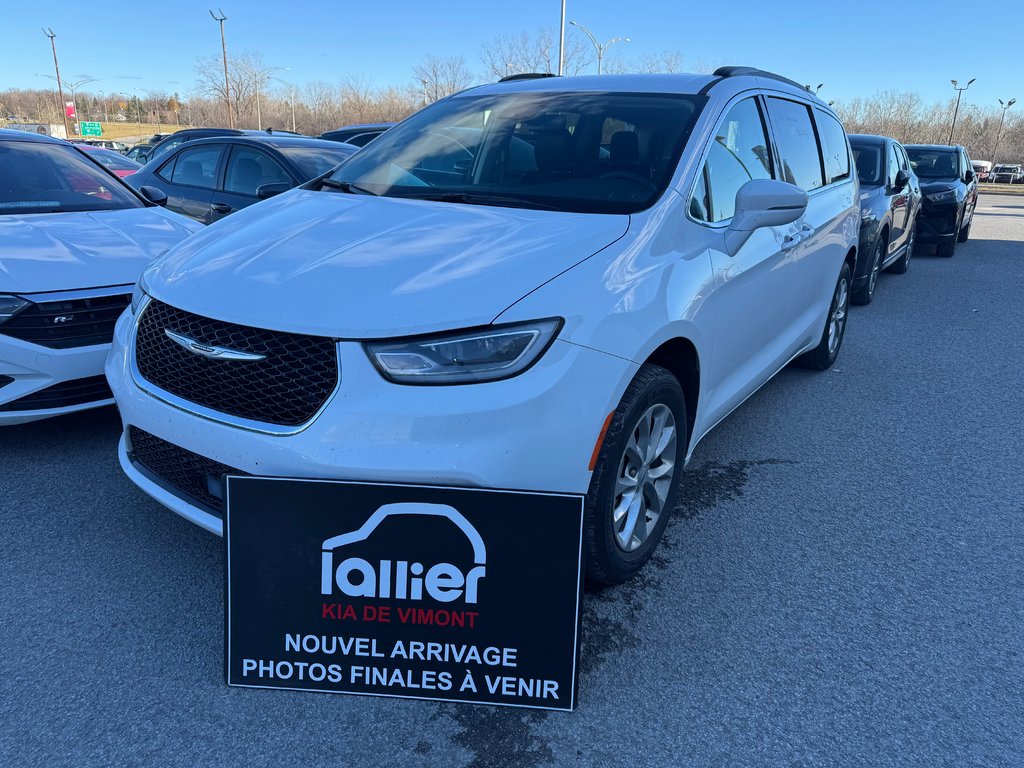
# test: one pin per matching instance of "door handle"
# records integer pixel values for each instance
(794, 239)
(221, 208)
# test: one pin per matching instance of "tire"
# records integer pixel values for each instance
(902, 264)
(866, 292)
(613, 551)
(948, 249)
(965, 232)
(822, 356)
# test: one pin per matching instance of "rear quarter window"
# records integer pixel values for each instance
(834, 147)
(797, 143)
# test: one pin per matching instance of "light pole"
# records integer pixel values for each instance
(224, 50)
(561, 43)
(291, 89)
(814, 89)
(600, 47)
(260, 74)
(60, 89)
(1002, 117)
(959, 93)
(74, 93)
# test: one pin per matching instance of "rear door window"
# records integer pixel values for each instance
(197, 167)
(797, 143)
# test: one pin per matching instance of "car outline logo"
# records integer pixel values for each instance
(214, 353)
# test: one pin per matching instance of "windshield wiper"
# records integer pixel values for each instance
(474, 198)
(346, 186)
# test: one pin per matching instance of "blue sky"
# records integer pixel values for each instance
(855, 49)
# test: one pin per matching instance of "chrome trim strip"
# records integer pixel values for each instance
(71, 295)
(209, 414)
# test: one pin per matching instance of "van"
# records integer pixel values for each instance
(552, 283)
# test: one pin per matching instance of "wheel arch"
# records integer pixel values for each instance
(679, 357)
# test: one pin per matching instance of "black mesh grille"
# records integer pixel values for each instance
(188, 475)
(74, 392)
(288, 387)
(68, 323)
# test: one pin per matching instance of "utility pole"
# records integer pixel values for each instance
(956, 111)
(224, 52)
(561, 43)
(999, 132)
(599, 47)
(60, 89)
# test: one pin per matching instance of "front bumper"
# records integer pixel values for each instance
(33, 368)
(534, 432)
(937, 223)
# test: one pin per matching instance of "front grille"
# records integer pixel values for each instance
(187, 475)
(70, 322)
(287, 387)
(74, 392)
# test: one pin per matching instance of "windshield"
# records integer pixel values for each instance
(934, 163)
(584, 152)
(1005, 169)
(44, 178)
(868, 159)
(318, 159)
(115, 161)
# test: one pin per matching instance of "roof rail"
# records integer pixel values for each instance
(526, 76)
(755, 72)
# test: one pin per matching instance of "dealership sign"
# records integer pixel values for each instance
(417, 591)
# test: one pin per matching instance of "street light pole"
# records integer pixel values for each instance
(561, 43)
(1002, 117)
(224, 51)
(956, 111)
(60, 89)
(260, 74)
(291, 89)
(599, 47)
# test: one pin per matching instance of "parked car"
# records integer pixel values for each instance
(169, 142)
(1008, 174)
(568, 300)
(357, 135)
(140, 153)
(207, 179)
(890, 198)
(73, 240)
(117, 146)
(114, 162)
(950, 195)
(982, 170)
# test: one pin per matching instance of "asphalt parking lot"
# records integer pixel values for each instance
(843, 585)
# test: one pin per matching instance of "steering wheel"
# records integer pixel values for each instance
(636, 178)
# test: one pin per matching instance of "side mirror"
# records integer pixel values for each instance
(902, 179)
(969, 176)
(269, 190)
(763, 203)
(154, 195)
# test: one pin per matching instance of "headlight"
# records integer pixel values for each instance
(139, 292)
(464, 357)
(948, 196)
(10, 306)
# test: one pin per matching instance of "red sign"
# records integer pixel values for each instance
(69, 109)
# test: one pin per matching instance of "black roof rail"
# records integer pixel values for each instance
(755, 72)
(526, 76)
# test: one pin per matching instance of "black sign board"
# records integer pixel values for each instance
(426, 592)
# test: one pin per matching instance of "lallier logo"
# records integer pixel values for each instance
(408, 581)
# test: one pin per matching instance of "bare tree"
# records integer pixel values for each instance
(442, 76)
(516, 54)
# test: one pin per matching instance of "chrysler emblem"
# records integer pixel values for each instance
(214, 353)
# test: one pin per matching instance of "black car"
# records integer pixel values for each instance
(890, 198)
(950, 191)
(209, 178)
(140, 153)
(358, 135)
(169, 142)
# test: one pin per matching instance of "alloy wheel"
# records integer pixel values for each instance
(644, 477)
(837, 322)
(876, 268)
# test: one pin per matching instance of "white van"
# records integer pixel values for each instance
(556, 284)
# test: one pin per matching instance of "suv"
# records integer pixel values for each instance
(1007, 174)
(556, 284)
(950, 192)
(890, 198)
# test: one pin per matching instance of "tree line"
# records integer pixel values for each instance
(259, 97)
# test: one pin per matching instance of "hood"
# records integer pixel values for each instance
(359, 266)
(932, 186)
(43, 252)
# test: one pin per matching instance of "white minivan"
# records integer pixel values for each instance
(551, 284)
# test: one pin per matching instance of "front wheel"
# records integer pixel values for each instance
(822, 356)
(902, 264)
(866, 292)
(636, 478)
(965, 232)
